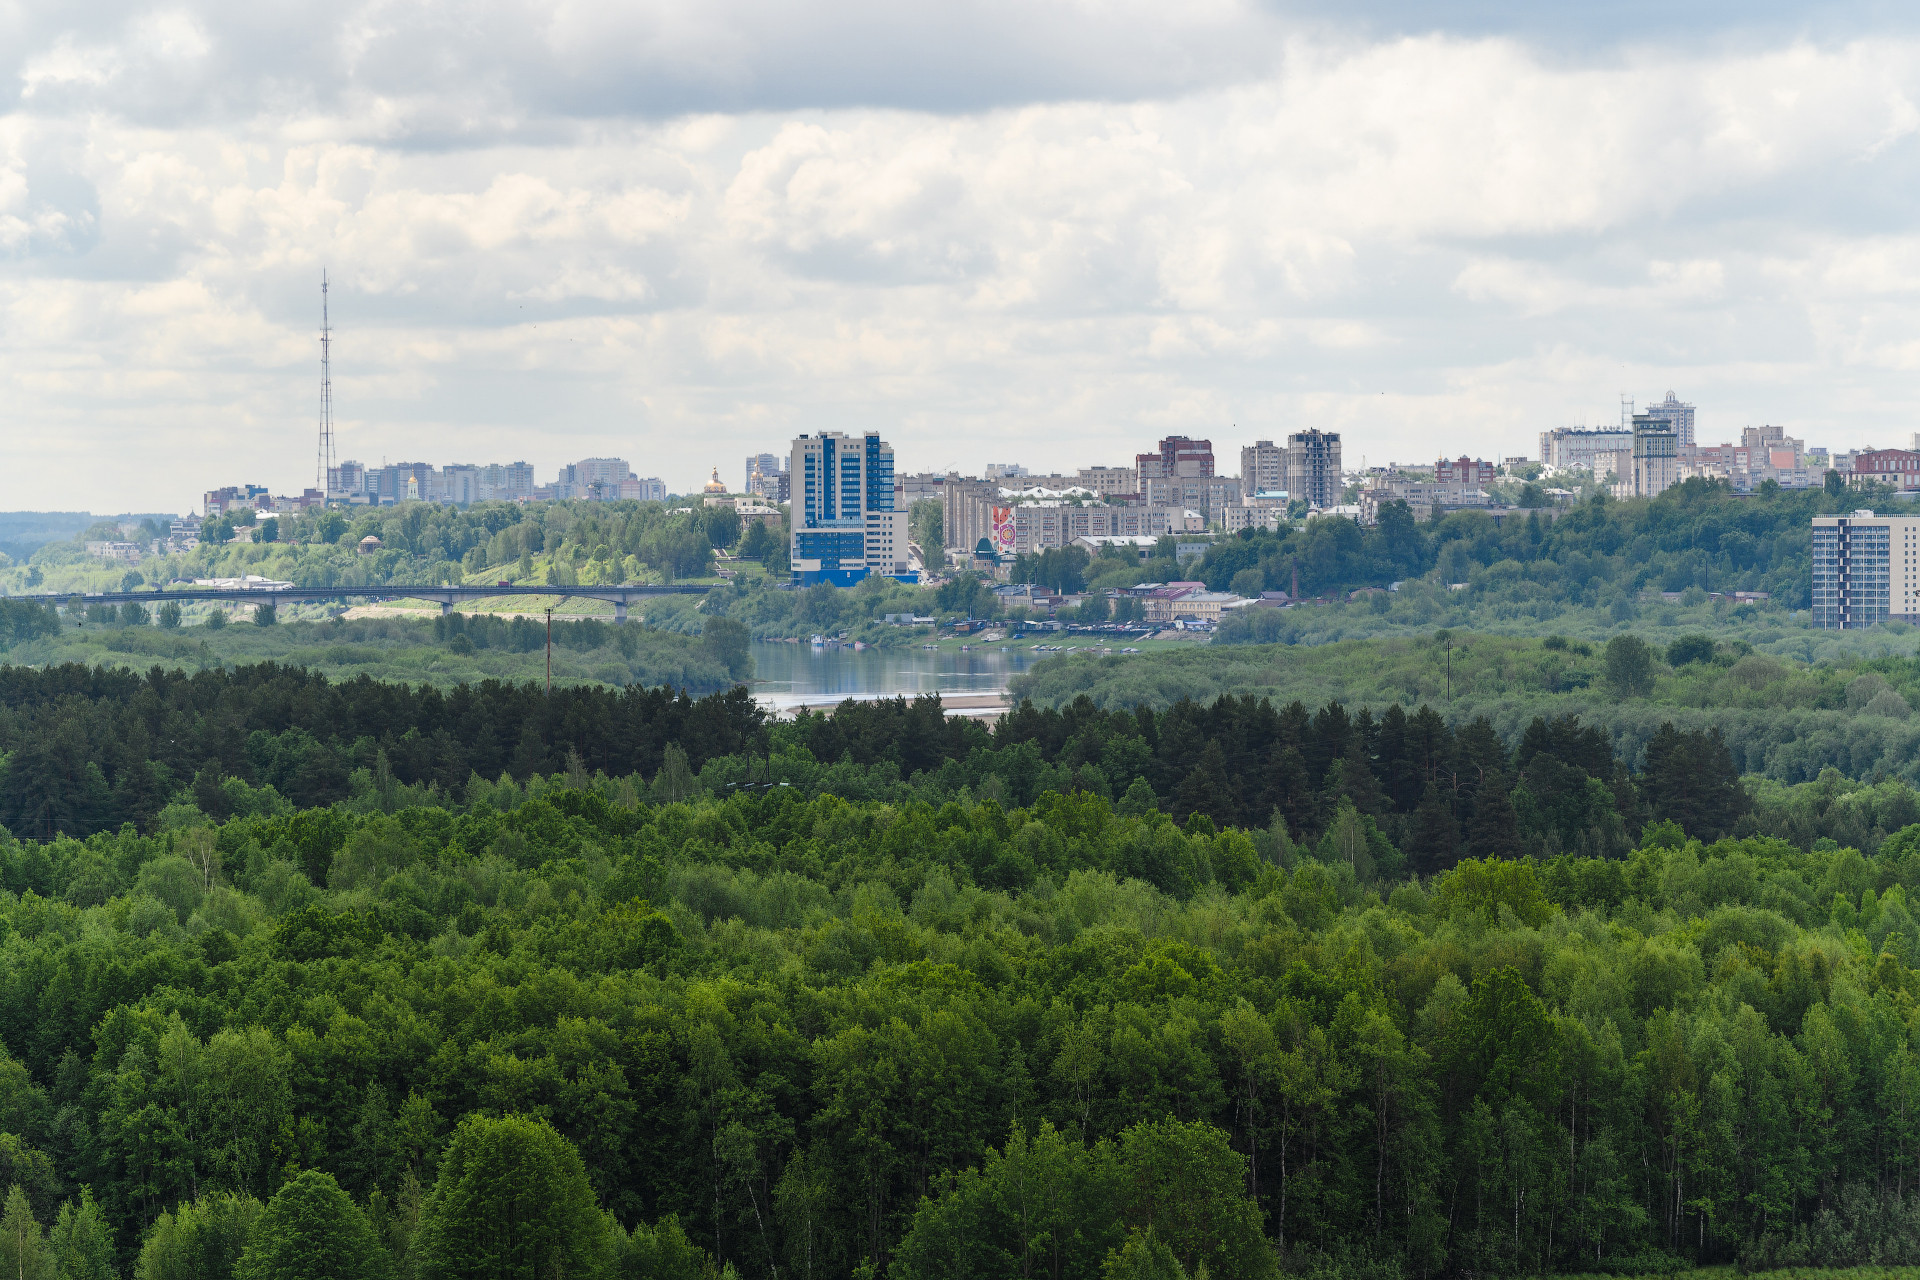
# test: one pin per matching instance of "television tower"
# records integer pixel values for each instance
(327, 461)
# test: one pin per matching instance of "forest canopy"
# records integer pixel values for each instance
(578, 1023)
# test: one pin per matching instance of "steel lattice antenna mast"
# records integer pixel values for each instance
(327, 461)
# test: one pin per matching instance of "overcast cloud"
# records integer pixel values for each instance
(1044, 232)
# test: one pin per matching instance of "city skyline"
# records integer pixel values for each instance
(681, 234)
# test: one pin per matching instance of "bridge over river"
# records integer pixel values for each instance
(445, 596)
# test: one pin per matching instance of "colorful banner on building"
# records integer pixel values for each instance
(1003, 536)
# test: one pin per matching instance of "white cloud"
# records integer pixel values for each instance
(1427, 240)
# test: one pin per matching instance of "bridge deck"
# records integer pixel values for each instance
(444, 596)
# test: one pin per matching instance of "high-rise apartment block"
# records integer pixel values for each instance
(1866, 569)
(1263, 467)
(459, 485)
(1313, 467)
(1177, 456)
(1676, 415)
(845, 525)
(348, 478)
(507, 482)
(596, 479)
(1654, 465)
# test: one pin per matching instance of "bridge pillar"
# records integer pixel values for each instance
(619, 612)
(446, 607)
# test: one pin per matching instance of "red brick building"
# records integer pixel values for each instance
(1897, 467)
(1464, 470)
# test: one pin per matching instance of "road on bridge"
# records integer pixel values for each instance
(445, 596)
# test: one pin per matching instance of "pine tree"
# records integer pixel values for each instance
(1494, 831)
(1207, 788)
(1478, 752)
(1356, 782)
(1690, 779)
(1399, 773)
(1433, 842)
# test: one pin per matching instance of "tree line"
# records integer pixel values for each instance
(85, 749)
(1597, 552)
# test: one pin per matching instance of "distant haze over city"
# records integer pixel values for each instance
(1047, 234)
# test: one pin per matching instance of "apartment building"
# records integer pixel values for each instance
(1263, 467)
(1897, 467)
(1177, 456)
(1425, 498)
(1866, 569)
(1465, 470)
(1313, 468)
(846, 525)
(1111, 483)
(1677, 416)
(1042, 526)
(762, 465)
(1209, 495)
(1576, 448)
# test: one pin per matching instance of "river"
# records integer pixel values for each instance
(787, 676)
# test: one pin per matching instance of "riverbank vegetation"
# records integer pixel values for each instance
(1784, 719)
(420, 649)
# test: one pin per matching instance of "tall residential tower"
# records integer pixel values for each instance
(1866, 570)
(845, 525)
(1313, 467)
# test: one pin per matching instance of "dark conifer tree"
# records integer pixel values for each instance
(1399, 774)
(1207, 789)
(1494, 831)
(1479, 753)
(1430, 743)
(1690, 778)
(1433, 838)
(1290, 791)
(1329, 740)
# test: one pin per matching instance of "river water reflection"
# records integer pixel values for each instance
(790, 675)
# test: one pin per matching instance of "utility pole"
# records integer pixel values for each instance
(549, 650)
(1449, 669)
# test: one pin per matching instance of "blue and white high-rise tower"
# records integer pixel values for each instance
(845, 525)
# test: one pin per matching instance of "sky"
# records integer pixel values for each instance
(1045, 231)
